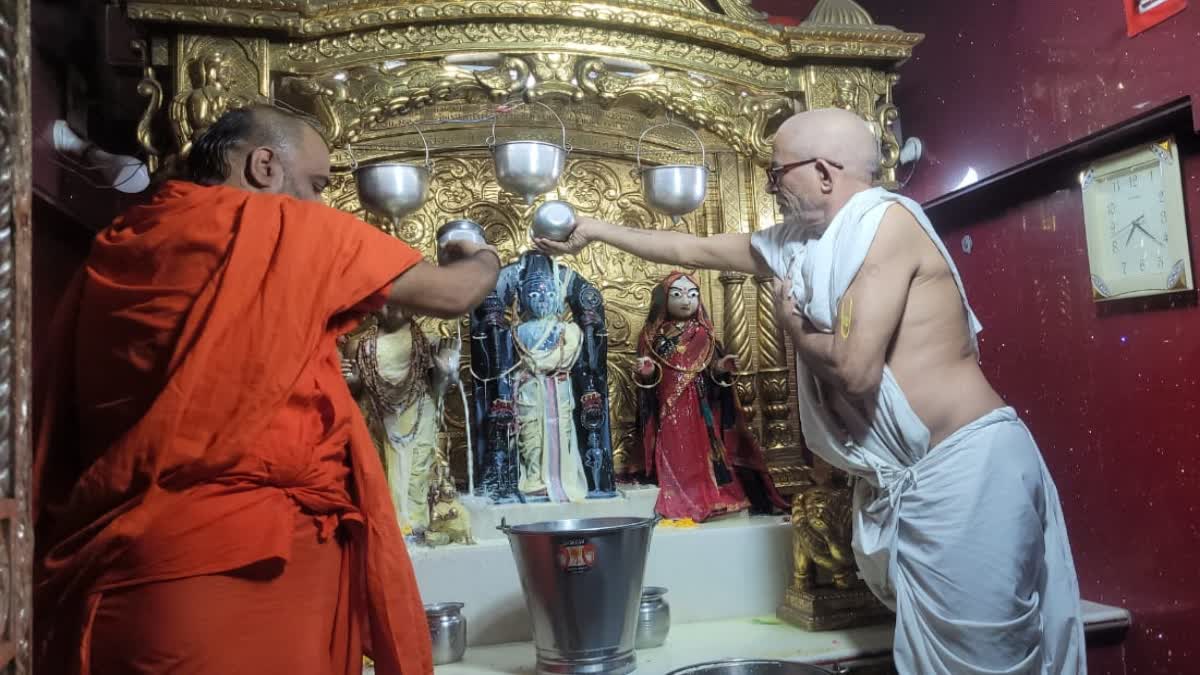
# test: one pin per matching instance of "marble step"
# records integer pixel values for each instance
(734, 567)
(860, 650)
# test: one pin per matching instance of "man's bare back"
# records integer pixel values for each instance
(931, 355)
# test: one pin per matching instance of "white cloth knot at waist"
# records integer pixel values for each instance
(893, 480)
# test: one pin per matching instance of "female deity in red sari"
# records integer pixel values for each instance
(697, 448)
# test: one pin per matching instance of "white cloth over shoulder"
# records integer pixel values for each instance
(965, 541)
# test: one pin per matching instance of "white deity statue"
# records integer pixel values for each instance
(399, 382)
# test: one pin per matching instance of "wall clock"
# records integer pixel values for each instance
(1133, 213)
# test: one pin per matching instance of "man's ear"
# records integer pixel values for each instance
(825, 176)
(263, 171)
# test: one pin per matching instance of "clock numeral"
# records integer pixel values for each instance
(1160, 262)
(1123, 268)
(1162, 196)
(1116, 186)
(1162, 217)
(1112, 208)
(1114, 245)
(1142, 265)
(1133, 180)
(1165, 237)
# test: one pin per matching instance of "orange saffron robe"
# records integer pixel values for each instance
(194, 406)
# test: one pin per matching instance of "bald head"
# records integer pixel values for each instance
(832, 134)
(261, 148)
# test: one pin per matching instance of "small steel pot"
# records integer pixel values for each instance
(554, 220)
(654, 618)
(457, 230)
(448, 631)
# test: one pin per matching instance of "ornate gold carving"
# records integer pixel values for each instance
(866, 92)
(681, 19)
(16, 555)
(352, 103)
(425, 42)
(738, 118)
(889, 145)
(772, 372)
(788, 476)
(150, 88)
(741, 9)
(737, 341)
(839, 13)
(825, 592)
(687, 20)
(846, 43)
(221, 74)
(194, 110)
(554, 75)
(821, 533)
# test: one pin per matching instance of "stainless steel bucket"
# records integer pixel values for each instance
(583, 583)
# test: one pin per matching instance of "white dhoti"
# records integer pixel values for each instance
(966, 540)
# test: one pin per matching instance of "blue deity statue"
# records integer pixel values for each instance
(540, 414)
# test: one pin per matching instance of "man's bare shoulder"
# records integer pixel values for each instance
(899, 239)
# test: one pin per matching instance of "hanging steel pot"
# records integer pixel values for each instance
(673, 189)
(529, 168)
(393, 189)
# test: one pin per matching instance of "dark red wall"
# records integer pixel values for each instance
(996, 83)
(1111, 396)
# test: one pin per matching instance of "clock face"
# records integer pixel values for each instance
(1134, 216)
(1135, 207)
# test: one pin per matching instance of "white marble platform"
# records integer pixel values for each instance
(763, 637)
(729, 568)
(633, 501)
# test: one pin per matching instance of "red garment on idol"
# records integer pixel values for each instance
(696, 444)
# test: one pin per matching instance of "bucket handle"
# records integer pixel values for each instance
(669, 123)
(491, 140)
(424, 142)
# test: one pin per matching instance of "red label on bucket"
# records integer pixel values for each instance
(576, 557)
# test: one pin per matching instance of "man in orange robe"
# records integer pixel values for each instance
(207, 497)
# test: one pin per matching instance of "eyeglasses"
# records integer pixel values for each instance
(775, 174)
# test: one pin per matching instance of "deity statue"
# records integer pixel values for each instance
(541, 386)
(449, 522)
(821, 534)
(696, 444)
(399, 381)
(825, 592)
(195, 109)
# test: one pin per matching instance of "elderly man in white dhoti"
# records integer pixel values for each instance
(957, 524)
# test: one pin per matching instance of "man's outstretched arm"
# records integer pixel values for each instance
(853, 356)
(450, 290)
(725, 252)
